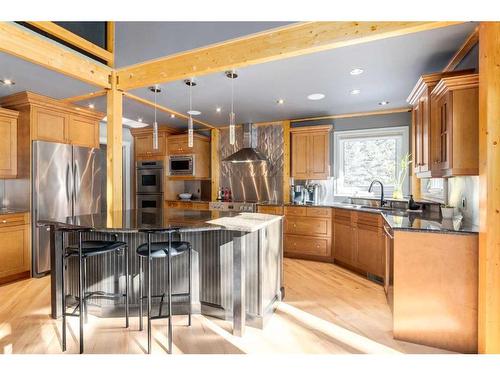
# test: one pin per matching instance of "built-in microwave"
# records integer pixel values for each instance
(181, 165)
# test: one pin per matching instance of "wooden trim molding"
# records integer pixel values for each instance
(489, 188)
(286, 161)
(90, 95)
(355, 114)
(27, 45)
(464, 49)
(164, 109)
(288, 41)
(73, 39)
(303, 129)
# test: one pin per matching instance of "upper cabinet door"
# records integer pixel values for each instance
(8, 147)
(50, 125)
(319, 156)
(300, 155)
(83, 132)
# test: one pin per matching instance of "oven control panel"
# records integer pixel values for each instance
(233, 206)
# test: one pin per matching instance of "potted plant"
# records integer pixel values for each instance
(447, 211)
(399, 180)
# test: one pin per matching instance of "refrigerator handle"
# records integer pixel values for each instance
(68, 179)
(76, 176)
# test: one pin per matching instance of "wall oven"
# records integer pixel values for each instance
(149, 177)
(181, 165)
(149, 209)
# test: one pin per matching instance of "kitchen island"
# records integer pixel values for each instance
(236, 270)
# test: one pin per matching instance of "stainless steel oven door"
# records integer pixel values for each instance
(149, 209)
(149, 181)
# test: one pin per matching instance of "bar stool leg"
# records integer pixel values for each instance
(80, 287)
(63, 299)
(85, 309)
(149, 292)
(141, 296)
(189, 284)
(169, 265)
(125, 253)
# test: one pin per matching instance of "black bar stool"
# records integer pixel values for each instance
(83, 250)
(169, 249)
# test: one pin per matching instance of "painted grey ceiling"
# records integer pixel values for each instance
(31, 77)
(391, 68)
(136, 42)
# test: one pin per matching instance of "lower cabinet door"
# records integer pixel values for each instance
(14, 250)
(343, 241)
(370, 250)
(302, 245)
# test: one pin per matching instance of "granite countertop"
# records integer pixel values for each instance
(399, 219)
(184, 220)
(7, 211)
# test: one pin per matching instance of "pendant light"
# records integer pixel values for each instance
(155, 89)
(232, 75)
(190, 83)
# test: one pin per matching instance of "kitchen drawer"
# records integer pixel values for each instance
(308, 226)
(365, 218)
(200, 206)
(8, 220)
(307, 245)
(273, 210)
(172, 204)
(319, 212)
(342, 215)
(295, 211)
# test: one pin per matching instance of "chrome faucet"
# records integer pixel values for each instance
(382, 201)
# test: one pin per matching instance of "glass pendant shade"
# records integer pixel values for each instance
(155, 136)
(190, 132)
(232, 129)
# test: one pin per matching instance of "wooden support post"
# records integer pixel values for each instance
(489, 182)
(286, 161)
(114, 147)
(215, 162)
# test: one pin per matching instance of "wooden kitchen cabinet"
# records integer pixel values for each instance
(188, 205)
(15, 257)
(8, 143)
(178, 145)
(310, 152)
(308, 232)
(273, 210)
(143, 145)
(83, 131)
(359, 241)
(455, 129)
(423, 127)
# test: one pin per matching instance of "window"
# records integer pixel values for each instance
(362, 156)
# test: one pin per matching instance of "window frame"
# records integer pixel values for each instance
(402, 147)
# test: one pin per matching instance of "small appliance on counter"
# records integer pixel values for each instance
(305, 194)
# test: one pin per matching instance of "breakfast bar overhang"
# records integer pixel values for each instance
(236, 272)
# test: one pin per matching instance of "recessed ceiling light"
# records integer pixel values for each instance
(91, 105)
(384, 102)
(194, 112)
(356, 71)
(7, 82)
(355, 92)
(218, 109)
(139, 119)
(280, 101)
(172, 115)
(316, 96)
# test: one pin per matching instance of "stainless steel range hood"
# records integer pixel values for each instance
(249, 152)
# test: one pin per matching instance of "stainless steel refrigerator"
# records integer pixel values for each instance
(67, 181)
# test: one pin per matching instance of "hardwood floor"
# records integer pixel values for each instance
(326, 310)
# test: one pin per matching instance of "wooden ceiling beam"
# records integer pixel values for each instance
(288, 41)
(73, 39)
(464, 49)
(27, 45)
(164, 109)
(110, 41)
(90, 95)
